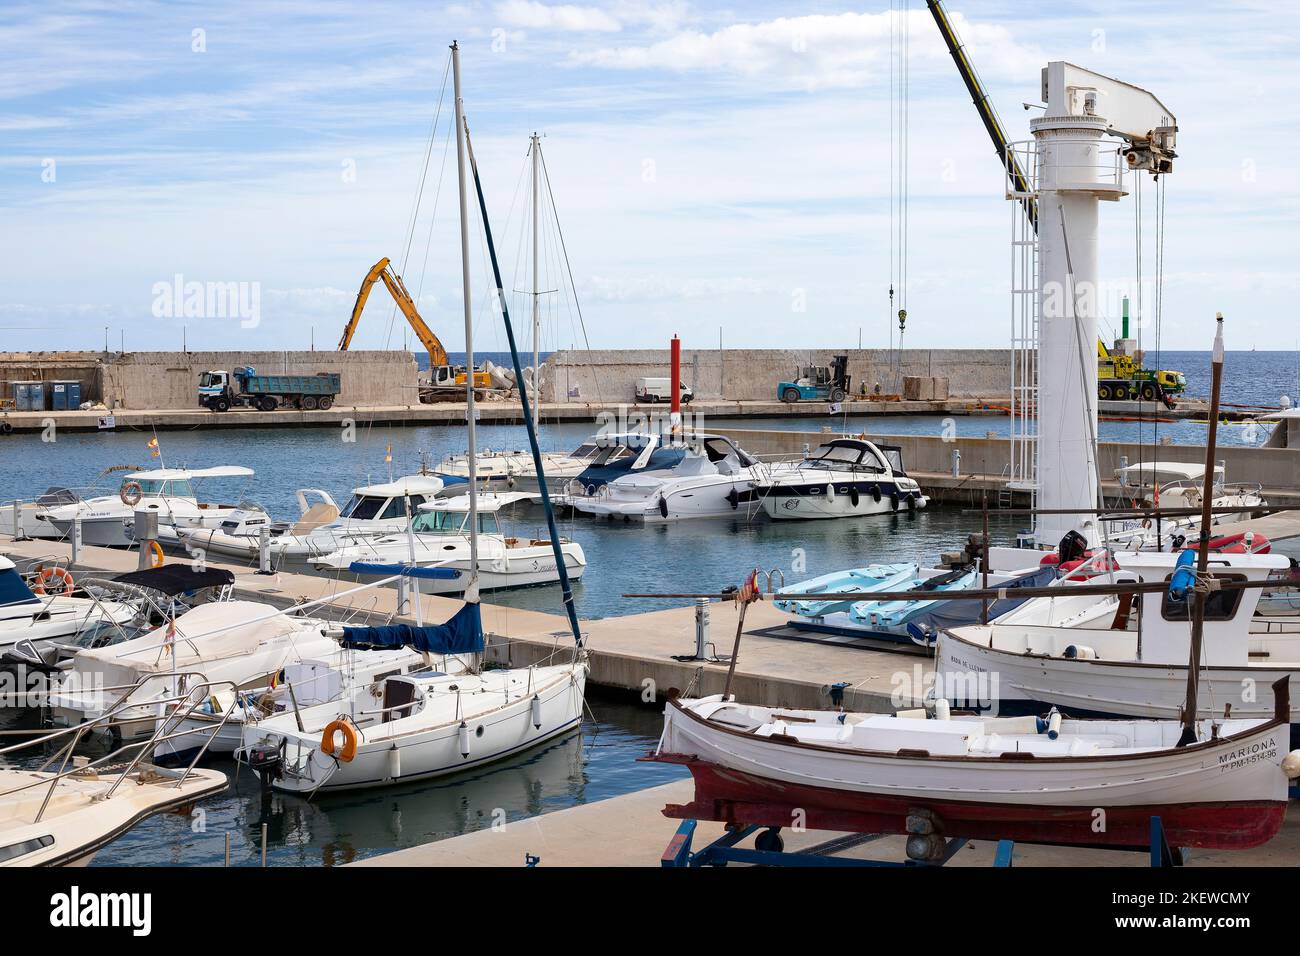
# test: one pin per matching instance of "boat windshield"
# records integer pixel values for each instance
(453, 522)
(855, 457)
(152, 487)
(362, 508)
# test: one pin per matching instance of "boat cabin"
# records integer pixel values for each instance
(388, 501)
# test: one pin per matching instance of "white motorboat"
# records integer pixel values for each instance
(242, 642)
(842, 478)
(696, 476)
(439, 538)
(87, 808)
(1129, 657)
(416, 726)
(106, 520)
(1174, 485)
(513, 470)
(28, 615)
(372, 511)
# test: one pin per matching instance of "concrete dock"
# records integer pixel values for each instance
(631, 830)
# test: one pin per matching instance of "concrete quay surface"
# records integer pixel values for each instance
(631, 830)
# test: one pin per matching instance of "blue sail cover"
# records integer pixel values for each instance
(13, 590)
(463, 634)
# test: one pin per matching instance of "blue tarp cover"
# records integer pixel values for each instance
(405, 570)
(13, 590)
(463, 634)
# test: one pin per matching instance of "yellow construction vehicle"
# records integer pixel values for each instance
(1122, 377)
(441, 373)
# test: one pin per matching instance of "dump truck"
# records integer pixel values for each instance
(220, 390)
(817, 383)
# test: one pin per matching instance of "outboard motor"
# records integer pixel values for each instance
(1073, 547)
(267, 761)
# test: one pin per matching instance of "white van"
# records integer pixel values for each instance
(660, 390)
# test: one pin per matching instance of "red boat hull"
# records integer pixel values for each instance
(733, 797)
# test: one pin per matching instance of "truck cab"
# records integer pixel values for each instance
(214, 389)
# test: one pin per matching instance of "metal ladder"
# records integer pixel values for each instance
(1022, 474)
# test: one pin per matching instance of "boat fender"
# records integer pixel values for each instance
(537, 712)
(853, 495)
(1053, 725)
(917, 713)
(349, 749)
(1080, 652)
(394, 763)
(462, 734)
(830, 492)
(911, 501)
(893, 499)
(131, 493)
(1291, 765)
(942, 711)
(5, 428)
(875, 493)
(733, 496)
(663, 507)
(1184, 576)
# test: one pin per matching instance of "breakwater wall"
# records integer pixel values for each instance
(609, 375)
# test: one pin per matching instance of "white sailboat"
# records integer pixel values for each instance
(424, 726)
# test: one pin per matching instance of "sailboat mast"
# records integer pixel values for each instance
(471, 437)
(566, 586)
(537, 292)
(1203, 546)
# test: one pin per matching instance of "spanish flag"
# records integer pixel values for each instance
(388, 455)
(153, 447)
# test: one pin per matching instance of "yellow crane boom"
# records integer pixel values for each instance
(397, 289)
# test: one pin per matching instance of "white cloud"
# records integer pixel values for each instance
(820, 51)
(540, 16)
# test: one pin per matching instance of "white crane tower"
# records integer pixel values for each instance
(1076, 167)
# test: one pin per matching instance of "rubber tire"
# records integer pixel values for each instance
(1121, 393)
(267, 403)
(325, 403)
(309, 403)
(790, 396)
(770, 841)
(837, 395)
(221, 405)
(1104, 393)
(1148, 392)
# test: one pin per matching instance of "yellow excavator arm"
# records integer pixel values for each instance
(397, 289)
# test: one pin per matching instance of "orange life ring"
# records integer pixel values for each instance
(157, 558)
(131, 493)
(349, 740)
(48, 574)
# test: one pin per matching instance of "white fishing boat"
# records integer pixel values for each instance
(439, 537)
(671, 479)
(512, 470)
(169, 492)
(242, 642)
(842, 478)
(34, 614)
(1130, 657)
(372, 511)
(1024, 779)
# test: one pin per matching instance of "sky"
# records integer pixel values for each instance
(720, 172)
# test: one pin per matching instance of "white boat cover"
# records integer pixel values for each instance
(179, 474)
(208, 632)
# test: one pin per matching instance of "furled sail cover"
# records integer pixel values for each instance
(463, 634)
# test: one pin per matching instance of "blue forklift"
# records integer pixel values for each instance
(817, 383)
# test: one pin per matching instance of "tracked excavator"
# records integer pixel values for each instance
(444, 378)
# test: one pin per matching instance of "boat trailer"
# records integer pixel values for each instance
(769, 849)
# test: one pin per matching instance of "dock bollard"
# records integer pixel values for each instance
(264, 550)
(76, 541)
(146, 533)
(19, 534)
(956, 462)
(701, 627)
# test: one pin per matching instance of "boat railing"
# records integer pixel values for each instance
(163, 732)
